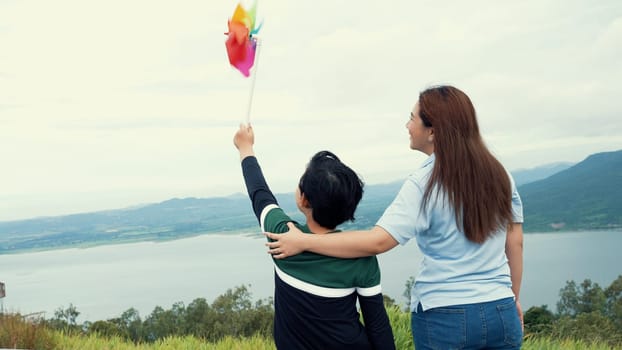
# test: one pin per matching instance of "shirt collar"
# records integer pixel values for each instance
(428, 161)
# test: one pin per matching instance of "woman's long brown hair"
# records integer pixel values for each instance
(474, 181)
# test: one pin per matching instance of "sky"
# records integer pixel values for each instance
(111, 104)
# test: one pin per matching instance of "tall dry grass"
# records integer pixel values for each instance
(18, 332)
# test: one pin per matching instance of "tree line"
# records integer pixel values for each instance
(230, 314)
(585, 311)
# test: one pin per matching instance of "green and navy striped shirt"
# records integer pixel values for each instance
(315, 296)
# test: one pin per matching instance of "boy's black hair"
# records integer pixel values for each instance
(332, 189)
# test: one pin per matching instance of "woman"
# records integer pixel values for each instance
(466, 215)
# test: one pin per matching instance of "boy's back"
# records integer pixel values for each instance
(319, 295)
(315, 296)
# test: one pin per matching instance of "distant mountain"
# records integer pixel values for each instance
(584, 196)
(524, 176)
(174, 218)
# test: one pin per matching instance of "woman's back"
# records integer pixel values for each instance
(454, 269)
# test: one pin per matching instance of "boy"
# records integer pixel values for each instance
(315, 296)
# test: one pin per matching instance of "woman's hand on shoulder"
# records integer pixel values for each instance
(286, 244)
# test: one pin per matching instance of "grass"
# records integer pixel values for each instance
(566, 344)
(16, 332)
(94, 342)
(260, 343)
(19, 333)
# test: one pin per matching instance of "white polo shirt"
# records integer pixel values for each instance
(454, 270)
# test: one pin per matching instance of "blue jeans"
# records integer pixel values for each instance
(489, 325)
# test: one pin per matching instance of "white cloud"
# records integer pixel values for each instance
(109, 104)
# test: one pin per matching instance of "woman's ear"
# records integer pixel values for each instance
(431, 136)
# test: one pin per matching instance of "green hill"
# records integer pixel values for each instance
(171, 219)
(585, 196)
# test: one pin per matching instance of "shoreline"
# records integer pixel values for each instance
(244, 232)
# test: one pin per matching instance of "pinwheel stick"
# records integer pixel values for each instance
(254, 73)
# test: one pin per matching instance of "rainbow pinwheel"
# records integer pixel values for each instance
(241, 43)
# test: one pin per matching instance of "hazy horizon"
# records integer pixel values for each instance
(114, 104)
(242, 192)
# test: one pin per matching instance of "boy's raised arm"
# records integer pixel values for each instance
(256, 186)
(244, 139)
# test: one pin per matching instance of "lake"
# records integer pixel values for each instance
(102, 282)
